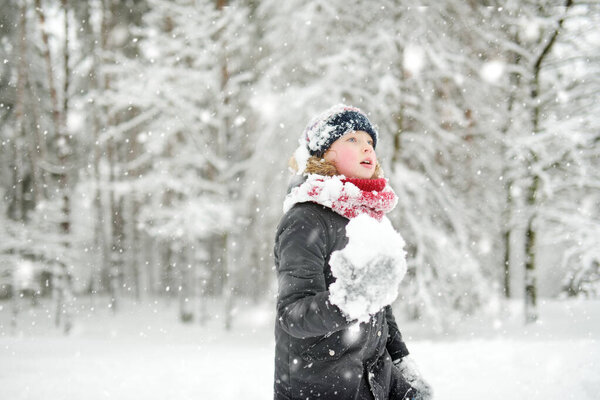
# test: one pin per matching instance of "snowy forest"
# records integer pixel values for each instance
(145, 146)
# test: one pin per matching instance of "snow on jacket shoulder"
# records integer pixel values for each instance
(318, 352)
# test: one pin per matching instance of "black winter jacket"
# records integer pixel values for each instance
(317, 354)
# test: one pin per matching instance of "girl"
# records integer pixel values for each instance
(325, 348)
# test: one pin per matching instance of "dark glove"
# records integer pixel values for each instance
(400, 389)
(415, 387)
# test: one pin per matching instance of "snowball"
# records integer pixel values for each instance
(369, 269)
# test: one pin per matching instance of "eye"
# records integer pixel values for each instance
(351, 139)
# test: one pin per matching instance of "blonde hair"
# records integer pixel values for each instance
(320, 166)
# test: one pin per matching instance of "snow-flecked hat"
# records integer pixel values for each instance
(334, 123)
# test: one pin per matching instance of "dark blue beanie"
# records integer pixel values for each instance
(334, 123)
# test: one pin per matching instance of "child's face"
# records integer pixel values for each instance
(353, 155)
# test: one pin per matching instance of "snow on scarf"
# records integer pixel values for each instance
(349, 197)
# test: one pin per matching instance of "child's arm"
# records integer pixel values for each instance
(303, 306)
(395, 345)
(404, 366)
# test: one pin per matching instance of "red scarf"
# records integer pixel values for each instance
(349, 197)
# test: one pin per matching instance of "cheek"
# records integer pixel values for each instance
(345, 159)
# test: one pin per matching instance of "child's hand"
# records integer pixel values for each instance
(362, 291)
(369, 269)
(410, 373)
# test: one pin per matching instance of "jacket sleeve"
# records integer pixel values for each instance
(395, 345)
(303, 307)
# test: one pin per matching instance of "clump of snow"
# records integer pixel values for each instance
(317, 132)
(414, 59)
(24, 275)
(369, 269)
(330, 189)
(492, 71)
(531, 28)
(301, 155)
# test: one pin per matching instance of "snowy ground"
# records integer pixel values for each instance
(145, 353)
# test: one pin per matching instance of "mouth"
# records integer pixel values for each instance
(367, 163)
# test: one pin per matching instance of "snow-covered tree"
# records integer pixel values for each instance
(41, 144)
(569, 163)
(544, 48)
(189, 87)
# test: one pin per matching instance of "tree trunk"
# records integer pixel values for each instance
(151, 267)
(170, 278)
(18, 209)
(130, 247)
(38, 146)
(400, 123)
(116, 219)
(201, 279)
(222, 141)
(63, 278)
(531, 312)
(186, 294)
(56, 118)
(17, 177)
(116, 249)
(229, 284)
(64, 157)
(136, 243)
(506, 281)
(515, 80)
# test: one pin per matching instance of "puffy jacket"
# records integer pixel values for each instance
(318, 353)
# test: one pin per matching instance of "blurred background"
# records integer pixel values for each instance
(144, 148)
(145, 144)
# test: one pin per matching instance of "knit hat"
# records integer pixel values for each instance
(334, 123)
(326, 128)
